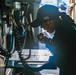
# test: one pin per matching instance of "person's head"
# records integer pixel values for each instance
(62, 7)
(47, 18)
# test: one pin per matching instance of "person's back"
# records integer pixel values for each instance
(64, 42)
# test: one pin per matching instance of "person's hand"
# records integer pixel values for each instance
(42, 38)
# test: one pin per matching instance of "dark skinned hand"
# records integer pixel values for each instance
(42, 38)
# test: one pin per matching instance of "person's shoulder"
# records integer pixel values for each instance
(67, 19)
